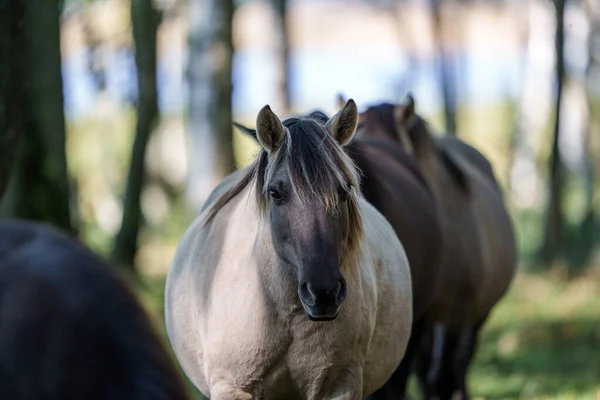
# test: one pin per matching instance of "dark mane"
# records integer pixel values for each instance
(395, 151)
(69, 326)
(317, 167)
(380, 118)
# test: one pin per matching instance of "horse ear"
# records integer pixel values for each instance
(270, 132)
(343, 124)
(246, 130)
(405, 112)
(341, 100)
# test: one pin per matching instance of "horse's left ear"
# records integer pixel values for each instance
(343, 124)
(246, 130)
(270, 131)
(406, 111)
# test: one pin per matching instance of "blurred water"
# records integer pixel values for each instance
(368, 75)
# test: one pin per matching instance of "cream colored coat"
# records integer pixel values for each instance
(239, 331)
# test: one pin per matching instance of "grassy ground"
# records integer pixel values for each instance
(541, 342)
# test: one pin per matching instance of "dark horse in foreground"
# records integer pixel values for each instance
(479, 256)
(70, 328)
(392, 182)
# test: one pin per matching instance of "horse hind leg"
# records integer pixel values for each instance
(439, 333)
(464, 355)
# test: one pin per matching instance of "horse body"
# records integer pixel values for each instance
(235, 310)
(479, 253)
(70, 328)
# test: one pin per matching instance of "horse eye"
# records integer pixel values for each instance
(343, 194)
(274, 194)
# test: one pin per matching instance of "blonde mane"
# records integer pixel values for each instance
(317, 166)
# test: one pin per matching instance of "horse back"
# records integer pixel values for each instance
(70, 328)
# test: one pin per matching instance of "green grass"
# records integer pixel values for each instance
(543, 341)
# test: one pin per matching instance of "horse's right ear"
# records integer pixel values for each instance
(246, 130)
(270, 132)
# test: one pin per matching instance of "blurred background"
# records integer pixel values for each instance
(128, 108)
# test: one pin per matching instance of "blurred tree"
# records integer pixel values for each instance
(445, 69)
(209, 74)
(588, 225)
(145, 20)
(280, 7)
(554, 214)
(12, 92)
(39, 186)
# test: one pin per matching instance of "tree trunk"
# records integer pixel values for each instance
(209, 74)
(516, 139)
(444, 67)
(12, 92)
(588, 225)
(284, 53)
(554, 215)
(39, 186)
(145, 19)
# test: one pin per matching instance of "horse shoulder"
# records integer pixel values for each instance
(186, 293)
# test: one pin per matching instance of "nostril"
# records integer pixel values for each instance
(307, 295)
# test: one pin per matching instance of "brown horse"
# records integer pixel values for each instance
(479, 244)
(392, 182)
(70, 328)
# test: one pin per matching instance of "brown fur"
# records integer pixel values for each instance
(479, 245)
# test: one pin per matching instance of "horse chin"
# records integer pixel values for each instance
(321, 317)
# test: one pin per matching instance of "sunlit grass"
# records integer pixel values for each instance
(542, 341)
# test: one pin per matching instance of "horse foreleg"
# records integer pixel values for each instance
(437, 352)
(222, 391)
(347, 386)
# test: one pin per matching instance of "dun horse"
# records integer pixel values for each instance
(392, 182)
(479, 245)
(70, 329)
(290, 285)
